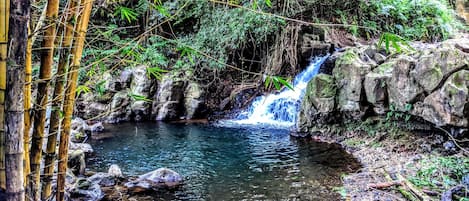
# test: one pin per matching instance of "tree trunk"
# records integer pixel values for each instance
(4, 14)
(14, 103)
(47, 56)
(69, 28)
(70, 92)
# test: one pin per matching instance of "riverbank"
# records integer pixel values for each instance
(401, 165)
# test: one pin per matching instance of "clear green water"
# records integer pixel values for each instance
(226, 163)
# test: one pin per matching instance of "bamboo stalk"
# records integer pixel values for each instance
(4, 8)
(27, 108)
(70, 92)
(14, 99)
(47, 56)
(27, 96)
(69, 28)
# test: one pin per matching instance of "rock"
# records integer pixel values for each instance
(448, 105)
(141, 85)
(111, 84)
(168, 103)
(76, 136)
(139, 186)
(103, 179)
(92, 110)
(79, 125)
(313, 44)
(160, 178)
(433, 66)
(403, 89)
(97, 127)
(85, 190)
(76, 162)
(119, 108)
(125, 78)
(115, 171)
(376, 87)
(449, 146)
(349, 74)
(193, 101)
(86, 148)
(318, 104)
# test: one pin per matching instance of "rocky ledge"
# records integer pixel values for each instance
(428, 85)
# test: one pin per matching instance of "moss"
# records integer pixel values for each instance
(348, 57)
(385, 67)
(323, 86)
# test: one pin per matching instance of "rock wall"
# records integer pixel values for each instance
(429, 84)
(134, 96)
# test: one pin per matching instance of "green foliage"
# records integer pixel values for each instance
(395, 115)
(82, 89)
(100, 87)
(155, 72)
(220, 30)
(428, 20)
(277, 81)
(137, 97)
(126, 13)
(441, 173)
(396, 41)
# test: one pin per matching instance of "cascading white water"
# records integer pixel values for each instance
(279, 110)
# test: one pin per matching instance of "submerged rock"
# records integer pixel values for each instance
(160, 178)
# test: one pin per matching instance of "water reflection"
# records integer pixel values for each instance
(227, 163)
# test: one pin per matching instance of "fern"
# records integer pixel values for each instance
(395, 40)
(126, 13)
(82, 89)
(156, 72)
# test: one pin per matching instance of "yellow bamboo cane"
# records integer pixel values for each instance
(27, 104)
(69, 27)
(70, 92)
(47, 56)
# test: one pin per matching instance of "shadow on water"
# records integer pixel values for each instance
(227, 163)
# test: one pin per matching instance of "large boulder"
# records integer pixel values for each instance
(448, 105)
(93, 110)
(434, 66)
(168, 103)
(376, 86)
(141, 86)
(318, 104)
(193, 101)
(349, 73)
(119, 108)
(160, 178)
(403, 89)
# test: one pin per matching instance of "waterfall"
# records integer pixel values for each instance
(280, 109)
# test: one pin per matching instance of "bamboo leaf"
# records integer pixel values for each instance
(285, 83)
(267, 82)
